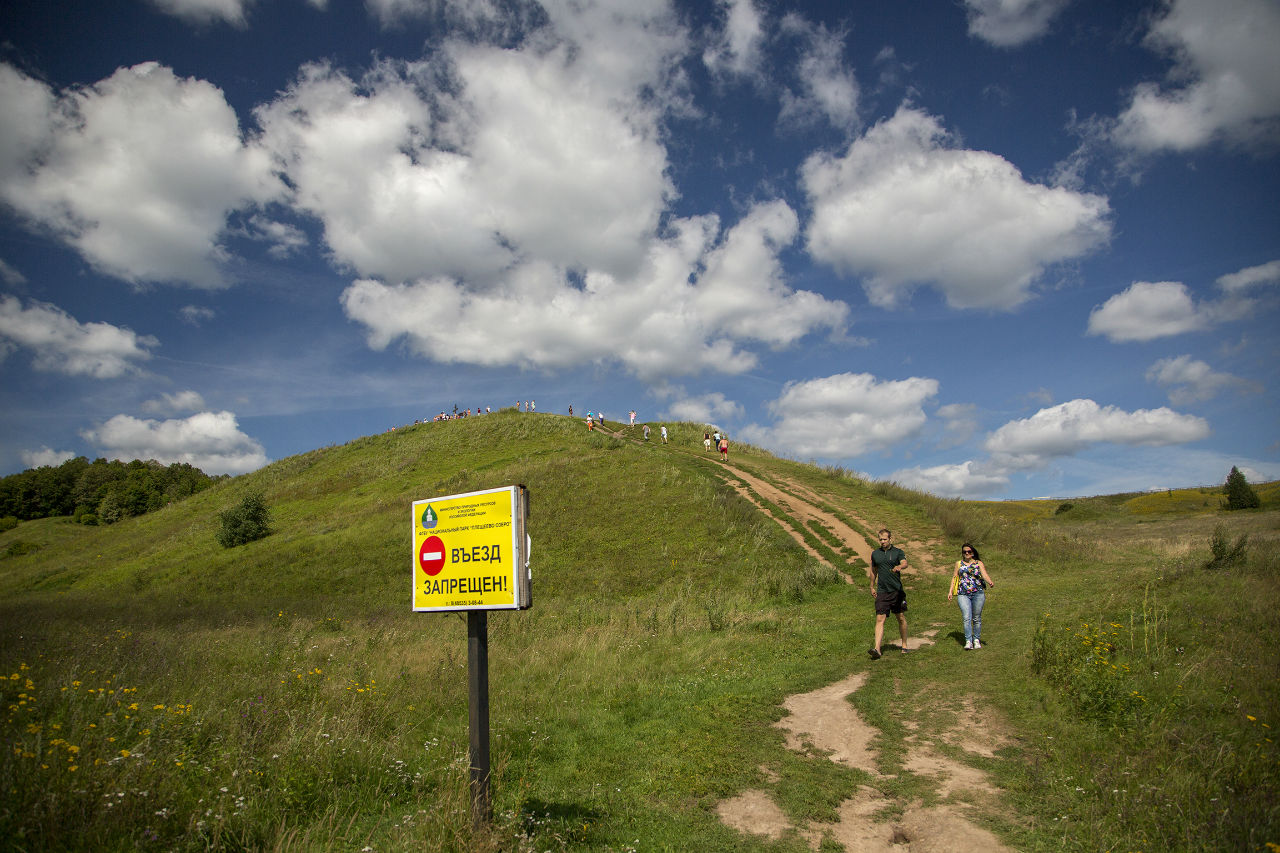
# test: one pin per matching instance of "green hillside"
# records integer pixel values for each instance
(163, 692)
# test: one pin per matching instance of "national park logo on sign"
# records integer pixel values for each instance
(429, 517)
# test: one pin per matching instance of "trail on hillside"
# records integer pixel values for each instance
(824, 720)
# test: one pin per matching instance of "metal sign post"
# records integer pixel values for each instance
(478, 719)
(471, 552)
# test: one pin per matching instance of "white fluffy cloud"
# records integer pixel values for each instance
(531, 156)
(904, 207)
(169, 404)
(46, 456)
(1190, 380)
(1052, 433)
(959, 423)
(61, 344)
(1148, 310)
(1250, 277)
(737, 46)
(966, 479)
(694, 300)
(211, 441)
(710, 408)
(1225, 80)
(206, 11)
(1010, 23)
(138, 172)
(827, 88)
(1068, 428)
(845, 415)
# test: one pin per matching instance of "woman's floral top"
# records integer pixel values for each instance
(970, 578)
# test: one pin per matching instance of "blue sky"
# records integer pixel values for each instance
(985, 248)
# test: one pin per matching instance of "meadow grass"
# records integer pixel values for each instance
(161, 692)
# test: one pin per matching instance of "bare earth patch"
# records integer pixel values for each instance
(824, 720)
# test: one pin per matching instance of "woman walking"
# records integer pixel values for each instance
(969, 585)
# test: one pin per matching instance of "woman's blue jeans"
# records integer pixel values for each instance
(971, 607)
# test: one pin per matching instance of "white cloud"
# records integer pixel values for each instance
(844, 415)
(170, 404)
(959, 423)
(206, 11)
(211, 441)
(10, 274)
(1068, 428)
(1225, 80)
(1149, 310)
(196, 315)
(1011, 23)
(61, 344)
(736, 49)
(1190, 380)
(692, 304)
(285, 239)
(1146, 311)
(966, 479)
(46, 457)
(1250, 277)
(137, 172)
(533, 156)
(903, 207)
(827, 86)
(28, 106)
(711, 408)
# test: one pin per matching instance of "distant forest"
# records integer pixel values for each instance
(98, 492)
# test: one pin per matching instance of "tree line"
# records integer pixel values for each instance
(98, 492)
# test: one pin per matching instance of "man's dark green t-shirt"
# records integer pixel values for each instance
(883, 562)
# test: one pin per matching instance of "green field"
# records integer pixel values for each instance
(161, 692)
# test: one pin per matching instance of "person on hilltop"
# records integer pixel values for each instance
(969, 584)
(706, 442)
(723, 447)
(664, 435)
(646, 432)
(887, 563)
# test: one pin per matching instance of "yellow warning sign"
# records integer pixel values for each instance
(471, 551)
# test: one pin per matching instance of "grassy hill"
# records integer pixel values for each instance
(163, 692)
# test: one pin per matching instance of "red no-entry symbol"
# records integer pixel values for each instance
(431, 555)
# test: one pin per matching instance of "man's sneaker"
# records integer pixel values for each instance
(977, 644)
(875, 653)
(968, 644)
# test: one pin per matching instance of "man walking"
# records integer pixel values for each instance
(887, 563)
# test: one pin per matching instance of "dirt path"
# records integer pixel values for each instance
(826, 721)
(803, 505)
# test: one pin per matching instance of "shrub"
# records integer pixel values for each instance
(1225, 554)
(8, 523)
(248, 522)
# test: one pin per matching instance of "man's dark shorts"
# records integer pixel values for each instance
(890, 602)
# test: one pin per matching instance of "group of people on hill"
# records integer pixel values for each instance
(969, 584)
(457, 413)
(718, 441)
